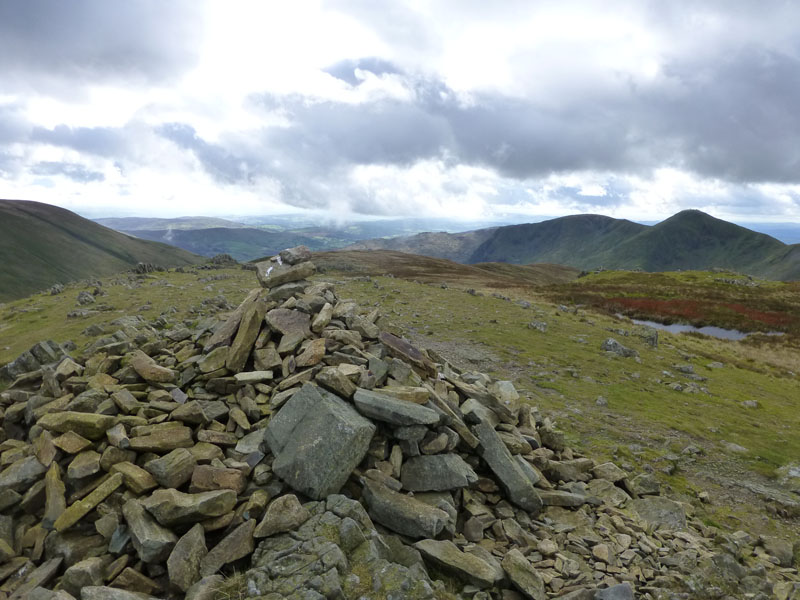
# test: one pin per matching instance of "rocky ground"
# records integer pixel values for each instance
(295, 449)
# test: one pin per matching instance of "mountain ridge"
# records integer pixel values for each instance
(690, 239)
(41, 245)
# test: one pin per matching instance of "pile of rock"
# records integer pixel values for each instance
(325, 458)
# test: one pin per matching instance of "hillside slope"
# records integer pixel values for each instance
(457, 247)
(568, 240)
(694, 240)
(441, 270)
(41, 245)
(688, 240)
(242, 243)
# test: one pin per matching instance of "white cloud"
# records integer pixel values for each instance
(449, 108)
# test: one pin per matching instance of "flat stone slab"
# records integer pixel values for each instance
(317, 440)
(171, 507)
(523, 575)
(517, 485)
(89, 425)
(660, 512)
(389, 409)
(445, 554)
(289, 322)
(401, 513)
(436, 473)
(272, 274)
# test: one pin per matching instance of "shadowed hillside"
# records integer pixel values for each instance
(41, 245)
(572, 240)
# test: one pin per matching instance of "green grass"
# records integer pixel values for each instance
(41, 316)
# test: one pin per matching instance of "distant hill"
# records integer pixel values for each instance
(568, 241)
(267, 235)
(688, 240)
(457, 247)
(127, 224)
(41, 245)
(243, 244)
(441, 270)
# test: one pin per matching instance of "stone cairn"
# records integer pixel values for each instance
(296, 450)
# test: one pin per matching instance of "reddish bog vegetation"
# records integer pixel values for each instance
(704, 311)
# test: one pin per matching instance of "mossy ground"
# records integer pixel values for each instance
(645, 423)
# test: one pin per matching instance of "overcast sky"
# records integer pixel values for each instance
(454, 108)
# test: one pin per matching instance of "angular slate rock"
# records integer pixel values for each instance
(21, 473)
(152, 542)
(289, 322)
(171, 507)
(246, 336)
(445, 554)
(283, 514)
(524, 576)
(403, 514)
(271, 274)
(317, 442)
(183, 564)
(405, 351)
(384, 407)
(661, 512)
(437, 472)
(517, 485)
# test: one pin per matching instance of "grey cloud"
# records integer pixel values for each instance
(734, 119)
(738, 121)
(73, 171)
(345, 70)
(13, 126)
(101, 141)
(86, 40)
(381, 132)
(222, 164)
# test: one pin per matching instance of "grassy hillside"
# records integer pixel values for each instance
(572, 240)
(41, 245)
(457, 247)
(442, 271)
(694, 240)
(689, 240)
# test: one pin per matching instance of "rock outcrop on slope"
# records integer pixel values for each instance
(297, 450)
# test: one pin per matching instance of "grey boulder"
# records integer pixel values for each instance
(317, 440)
